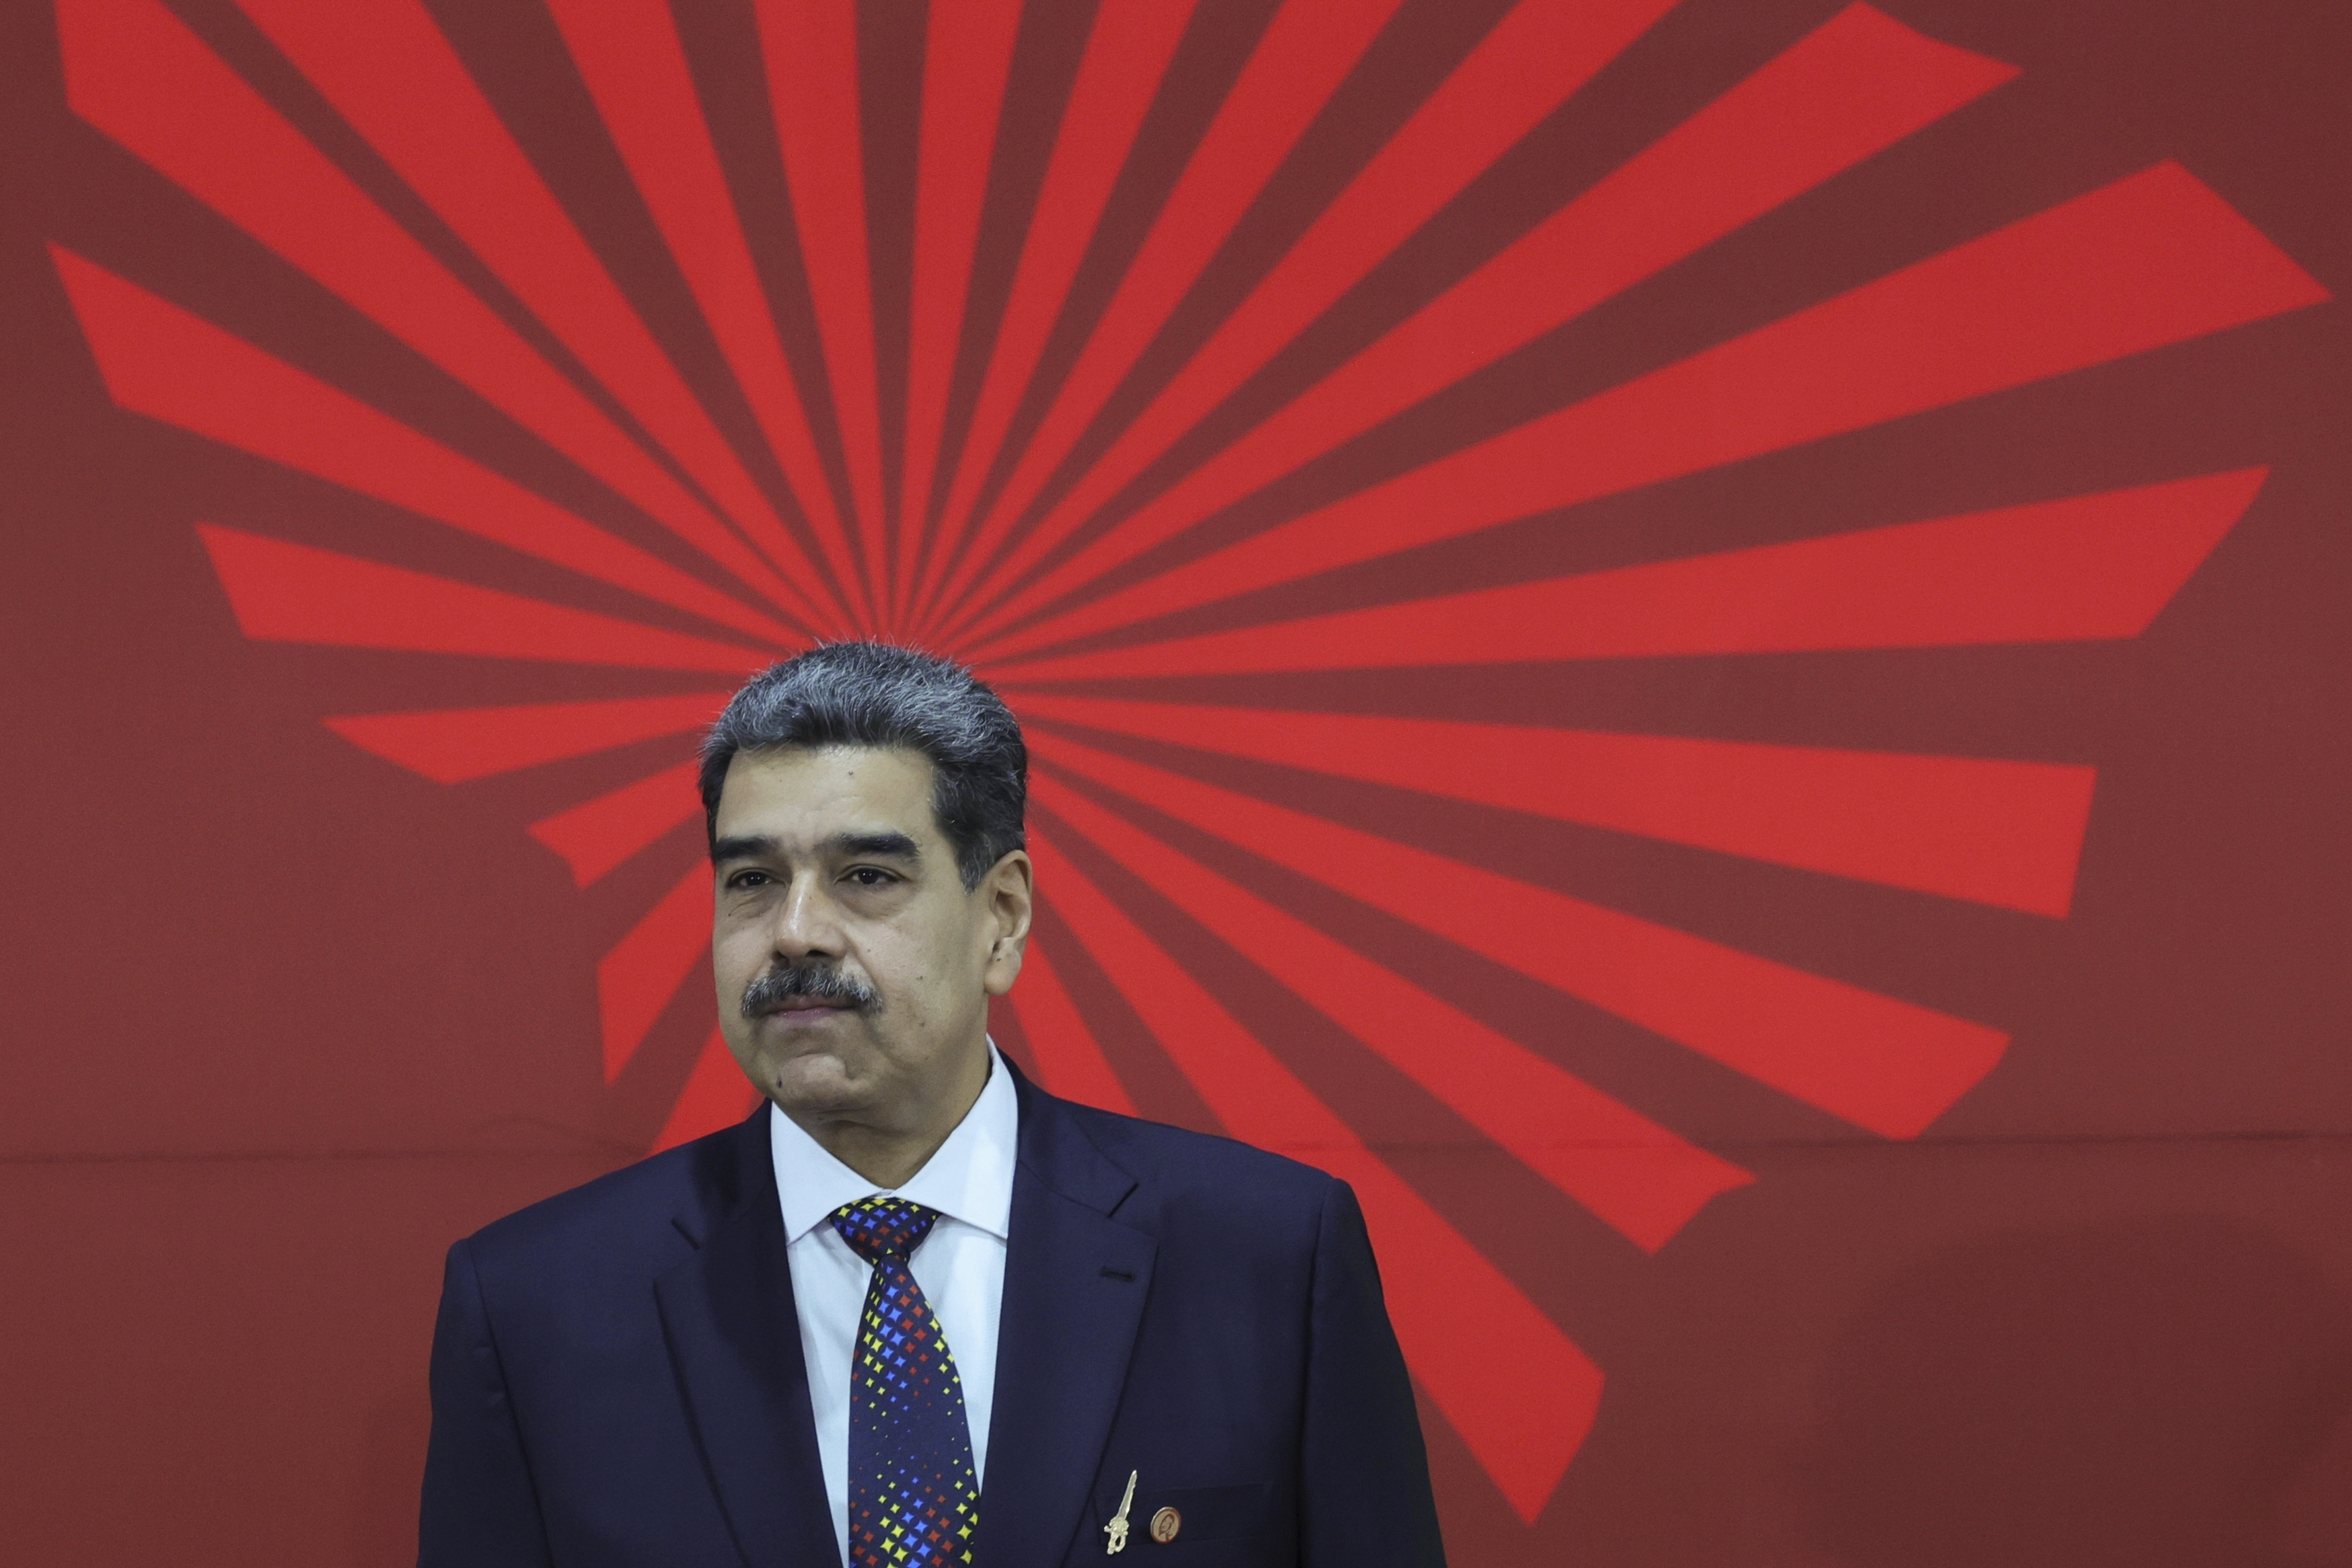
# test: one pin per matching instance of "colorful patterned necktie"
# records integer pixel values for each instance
(914, 1495)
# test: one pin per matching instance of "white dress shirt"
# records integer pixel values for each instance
(960, 1265)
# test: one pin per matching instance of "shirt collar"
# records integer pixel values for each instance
(969, 1178)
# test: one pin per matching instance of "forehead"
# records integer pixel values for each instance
(807, 794)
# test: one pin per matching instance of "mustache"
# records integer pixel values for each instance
(774, 987)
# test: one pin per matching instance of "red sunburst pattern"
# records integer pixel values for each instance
(1115, 450)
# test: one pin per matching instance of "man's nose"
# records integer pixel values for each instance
(805, 922)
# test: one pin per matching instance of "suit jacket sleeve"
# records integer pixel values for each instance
(1364, 1494)
(480, 1510)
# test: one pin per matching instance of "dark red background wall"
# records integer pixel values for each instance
(284, 1017)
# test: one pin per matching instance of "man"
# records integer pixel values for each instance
(915, 1311)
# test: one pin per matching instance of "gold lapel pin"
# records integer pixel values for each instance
(1165, 1524)
(1117, 1527)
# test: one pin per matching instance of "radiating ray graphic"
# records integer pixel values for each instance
(292, 593)
(811, 52)
(1884, 1065)
(637, 977)
(1640, 1179)
(629, 56)
(598, 834)
(453, 744)
(2006, 833)
(2152, 259)
(1533, 61)
(164, 362)
(1306, 50)
(2083, 568)
(1128, 50)
(716, 1095)
(1045, 531)
(135, 72)
(1848, 91)
(1070, 1061)
(1523, 1416)
(967, 52)
(387, 68)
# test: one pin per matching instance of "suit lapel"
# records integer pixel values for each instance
(1075, 1284)
(734, 1334)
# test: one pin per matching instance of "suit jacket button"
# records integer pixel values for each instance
(1165, 1524)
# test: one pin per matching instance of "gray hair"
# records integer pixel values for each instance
(872, 694)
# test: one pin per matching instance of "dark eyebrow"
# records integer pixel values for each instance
(886, 845)
(742, 849)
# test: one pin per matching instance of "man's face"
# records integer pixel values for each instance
(854, 969)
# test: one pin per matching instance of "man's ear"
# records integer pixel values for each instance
(1009, 888)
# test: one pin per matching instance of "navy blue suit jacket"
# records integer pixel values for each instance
(618, 1376)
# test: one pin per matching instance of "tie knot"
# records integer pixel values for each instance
(879, 1227)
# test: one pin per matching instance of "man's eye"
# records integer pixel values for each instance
(743, 879)
(871, 877)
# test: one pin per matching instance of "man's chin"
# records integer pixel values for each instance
(814, 1079)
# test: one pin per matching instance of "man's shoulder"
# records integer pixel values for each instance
(657, 1207)
(648, 1207)
(1178, 1172)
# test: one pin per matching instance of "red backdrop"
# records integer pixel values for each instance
(1702, 643)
